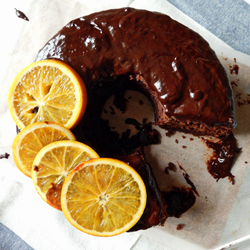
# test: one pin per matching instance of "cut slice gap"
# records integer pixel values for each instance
(138, 109)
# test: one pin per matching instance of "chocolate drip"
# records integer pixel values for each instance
(155, 211)
(224, 151)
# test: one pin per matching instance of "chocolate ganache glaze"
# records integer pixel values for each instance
(186, 82)
(173, 66)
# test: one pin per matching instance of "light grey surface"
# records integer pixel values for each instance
(229, 20)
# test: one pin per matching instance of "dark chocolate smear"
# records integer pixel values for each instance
(18, 130)
(188, 180)
(224, 151)
(179, 200)
(21, 15)
(4, 156)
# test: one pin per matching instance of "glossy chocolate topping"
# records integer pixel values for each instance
(224, 152)
(175, 65)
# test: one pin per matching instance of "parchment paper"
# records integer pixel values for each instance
(221, 212)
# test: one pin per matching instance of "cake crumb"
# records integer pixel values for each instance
(4, 156)
(170, 132)
(176, 141)
(234, 69)
(171, 166)
(36, 168)
(180, 226)
(184, 146)
(233, 83)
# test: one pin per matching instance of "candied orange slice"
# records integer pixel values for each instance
(33, 138)
(47, 90)
(103, 197)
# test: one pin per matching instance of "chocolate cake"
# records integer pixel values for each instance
(173, 66)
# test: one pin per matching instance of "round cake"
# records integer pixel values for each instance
(173, 66)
